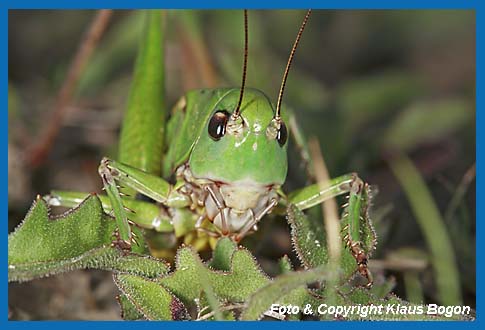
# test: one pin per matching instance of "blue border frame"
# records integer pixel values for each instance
(236, 4)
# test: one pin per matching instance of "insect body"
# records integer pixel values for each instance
(227, 157)
(228, 171)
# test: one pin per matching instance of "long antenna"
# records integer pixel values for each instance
(236, 113)
(292, 54)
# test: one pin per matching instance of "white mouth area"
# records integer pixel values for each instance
(242, 203)
(241, 196)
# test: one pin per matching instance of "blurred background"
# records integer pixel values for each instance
(388, 94)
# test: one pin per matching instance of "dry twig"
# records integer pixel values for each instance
(37, 154)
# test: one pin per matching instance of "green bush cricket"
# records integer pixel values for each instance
(226, 151)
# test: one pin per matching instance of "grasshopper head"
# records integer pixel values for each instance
(249, 148)
(246, 139)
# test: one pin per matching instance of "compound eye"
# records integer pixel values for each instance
(217, 124)
(282, 134)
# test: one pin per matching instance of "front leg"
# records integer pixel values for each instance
(357, 231)
(113, 173)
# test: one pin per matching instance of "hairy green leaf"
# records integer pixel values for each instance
(222, 255)
(105, 258)
(43, 238)
(244, 277)
(81, 238)
(128, 310)
(198, 286)
(285, 265)
(308, 238)
(283, 285)
(150, 298)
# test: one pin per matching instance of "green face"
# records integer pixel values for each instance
(251, 149)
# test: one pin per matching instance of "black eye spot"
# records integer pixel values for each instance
(217, 124)
(282, 134)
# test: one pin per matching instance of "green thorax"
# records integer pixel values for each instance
(250, 157)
